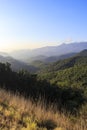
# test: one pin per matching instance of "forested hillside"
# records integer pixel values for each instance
(62, 84)
(78, 59)
(69, 73)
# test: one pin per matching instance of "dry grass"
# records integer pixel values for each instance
(18, 113)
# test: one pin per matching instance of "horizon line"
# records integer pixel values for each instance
(20, 49)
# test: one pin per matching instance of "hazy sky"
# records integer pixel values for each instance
(36, 23)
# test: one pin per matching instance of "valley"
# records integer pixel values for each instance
(60, 85)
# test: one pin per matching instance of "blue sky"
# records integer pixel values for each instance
(36, 23)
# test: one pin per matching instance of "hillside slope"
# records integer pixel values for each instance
(55, 99)
(17, 65)
(78, 59)
(18, 113)
(69, 73)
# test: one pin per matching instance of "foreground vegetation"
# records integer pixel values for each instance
(53, 99)
(28, 85)
(18, 113)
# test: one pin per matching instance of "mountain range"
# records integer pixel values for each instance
(32, 60)
(49, 51)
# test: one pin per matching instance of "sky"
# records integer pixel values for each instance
(35, 23)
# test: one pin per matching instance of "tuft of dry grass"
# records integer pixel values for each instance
(18, 113)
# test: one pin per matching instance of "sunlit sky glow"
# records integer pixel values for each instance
(35, 23)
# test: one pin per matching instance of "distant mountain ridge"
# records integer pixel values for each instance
(56, 58)
(61, 49)
(59, 62)
(50, 50)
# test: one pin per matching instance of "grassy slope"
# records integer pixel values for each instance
(17, 113)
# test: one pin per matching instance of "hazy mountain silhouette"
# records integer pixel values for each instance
(16, 64)
(62, 49)
(56, 58)
(50, 50)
